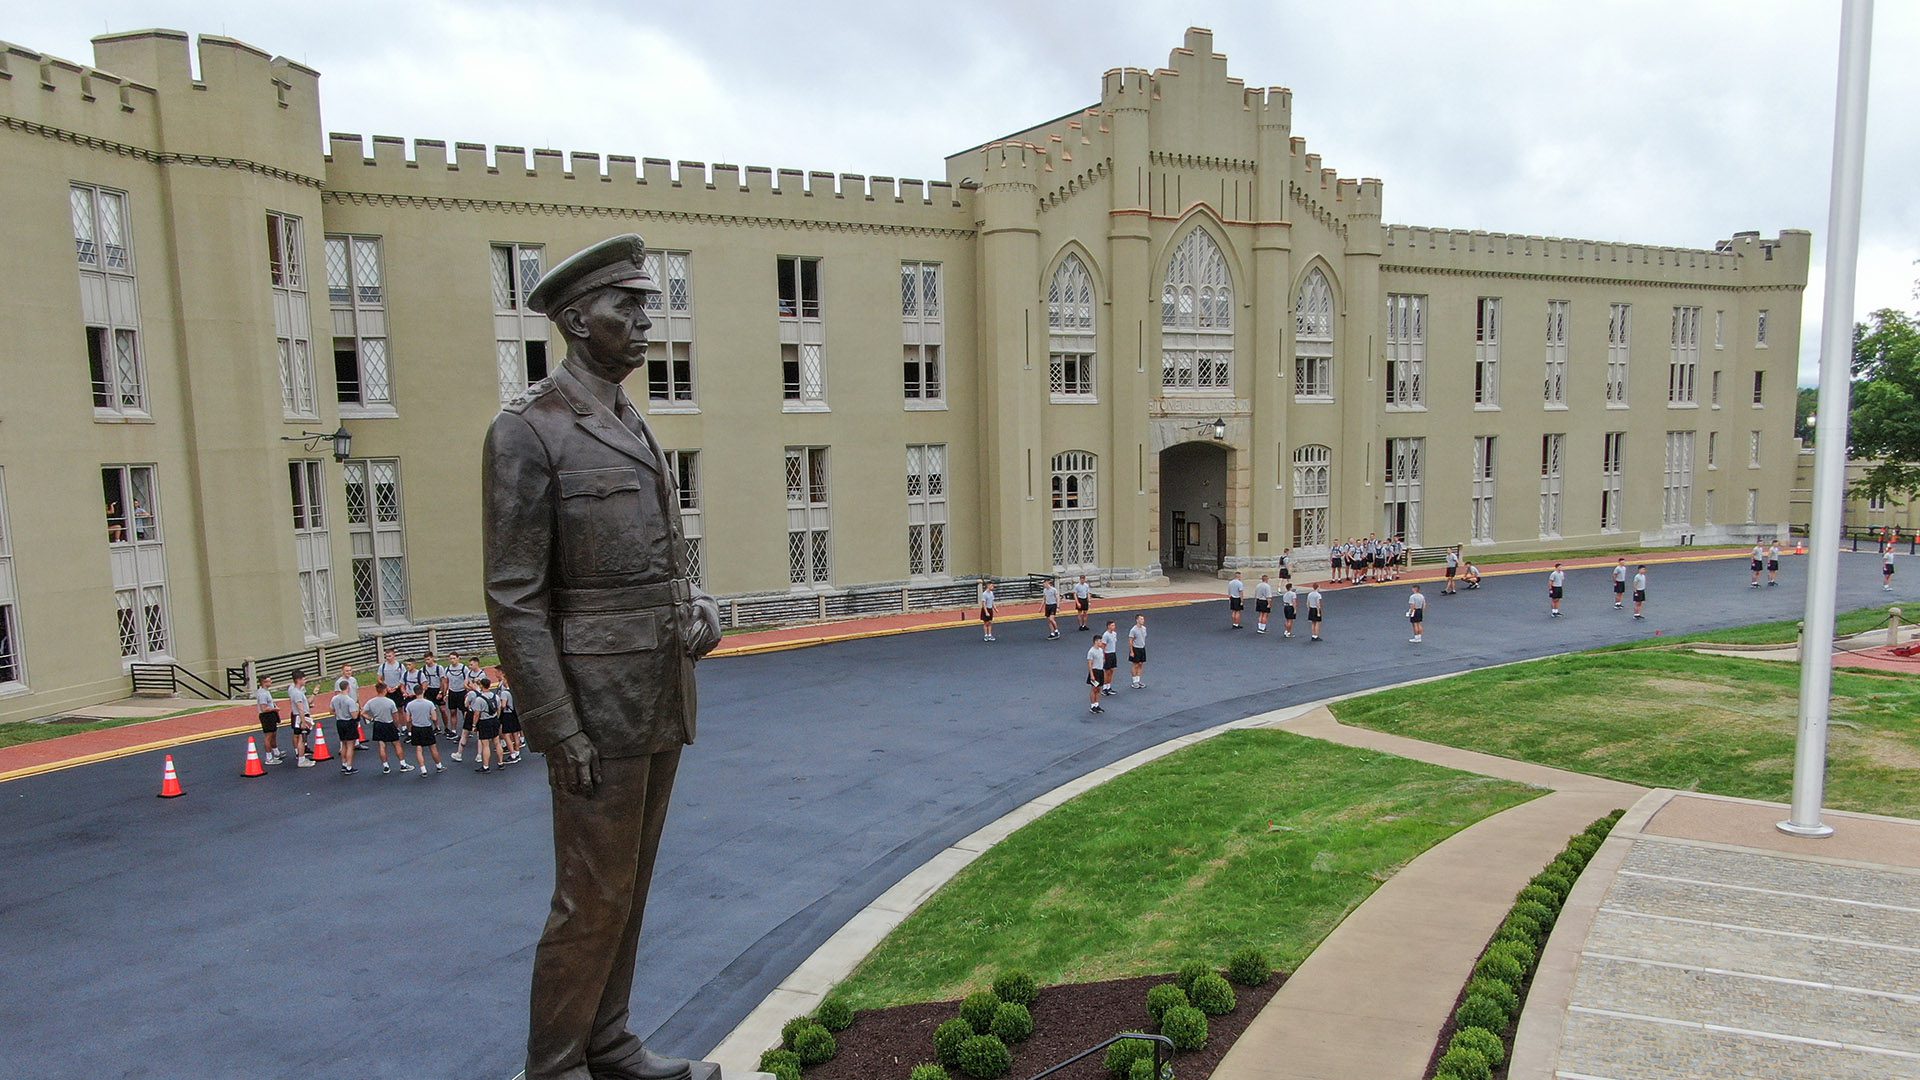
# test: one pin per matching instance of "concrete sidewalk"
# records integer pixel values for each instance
(1371, 999)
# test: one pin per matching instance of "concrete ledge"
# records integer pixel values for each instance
(1543, 1018)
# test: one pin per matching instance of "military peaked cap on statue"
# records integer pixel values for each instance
(616, 262)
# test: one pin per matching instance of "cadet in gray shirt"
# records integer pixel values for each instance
(392, 672)
(383, 714)
(421, 717)
(346, 725)
(269, 719)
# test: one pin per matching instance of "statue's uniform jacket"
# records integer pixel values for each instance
(583, 552)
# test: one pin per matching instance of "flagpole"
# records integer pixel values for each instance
(1830, 432)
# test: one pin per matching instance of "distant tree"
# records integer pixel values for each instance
(1885, 424)
(1803, 413)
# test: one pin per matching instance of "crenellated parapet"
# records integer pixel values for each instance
(391, 170)
(142, 97)
(77, 103)
(1745, 261)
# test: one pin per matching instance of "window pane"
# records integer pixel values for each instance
(339, 277)
(84, 245)
(366, 271)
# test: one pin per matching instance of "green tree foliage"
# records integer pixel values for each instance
(1886, 404)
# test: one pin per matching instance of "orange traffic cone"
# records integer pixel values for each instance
(254, 768)
(320, 751)
(1800, 548)
(170, 782)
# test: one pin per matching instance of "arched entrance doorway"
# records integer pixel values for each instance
(1194, 508)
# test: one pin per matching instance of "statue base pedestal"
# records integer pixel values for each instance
(702, 1070)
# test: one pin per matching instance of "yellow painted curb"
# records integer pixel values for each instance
(125, 751)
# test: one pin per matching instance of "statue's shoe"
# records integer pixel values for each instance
(643, 1065)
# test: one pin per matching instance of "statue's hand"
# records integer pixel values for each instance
(573, 765)
(703, 626)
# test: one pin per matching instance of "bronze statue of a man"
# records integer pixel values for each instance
(598, 627)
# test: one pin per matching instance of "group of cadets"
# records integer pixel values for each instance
(1367, 559)
(415, 704)
(1292, 603)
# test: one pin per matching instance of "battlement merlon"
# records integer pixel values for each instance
(1272, 106)
(1745, 261)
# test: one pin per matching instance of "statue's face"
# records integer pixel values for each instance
(613, 323)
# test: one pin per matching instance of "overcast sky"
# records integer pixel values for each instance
(1655, 121)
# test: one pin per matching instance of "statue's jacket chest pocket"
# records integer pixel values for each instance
(610, 523)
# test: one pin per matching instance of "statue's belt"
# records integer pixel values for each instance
(627, 598)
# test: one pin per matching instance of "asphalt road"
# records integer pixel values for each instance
(314, 925)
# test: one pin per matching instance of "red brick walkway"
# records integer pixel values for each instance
(81, 748)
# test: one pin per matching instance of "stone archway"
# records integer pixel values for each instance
(1197, 507)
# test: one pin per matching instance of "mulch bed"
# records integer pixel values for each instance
(885, 1044)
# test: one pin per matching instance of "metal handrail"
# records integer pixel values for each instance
(1158, 1041)
(170, 677)
(198, 685)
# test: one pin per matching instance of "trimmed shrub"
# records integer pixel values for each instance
(1186, 1026)
(774, 1058)
(984, 1057)
(977, 1010)
(1461, 1063)
(1143, 1070)
(927, 1071)
(1501, 966)
(1520, 951)
(1542, 917)
(1521, 928)
(1482, 1042)
(834, 1014)
(1556, 882)
(1569, 864)
(1163, 997)
(1190, 971)
(791, 1028)
(1012, 1022)
(1501, 993)
(1539, 894)
(814, 1044)
(1121, 1055)
(1017, 987)
(1481, 1010)
(785, 1071)
(947, 1039)
(1249, 967)
(1212, 995)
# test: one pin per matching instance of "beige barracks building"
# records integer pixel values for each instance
(1156, 333)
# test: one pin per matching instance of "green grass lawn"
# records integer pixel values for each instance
(1175, 860)
(1773, 633)
(1670, 719)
